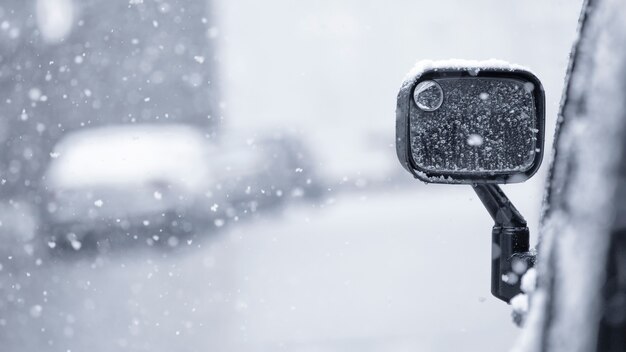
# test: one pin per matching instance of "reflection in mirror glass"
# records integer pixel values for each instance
(483, 124)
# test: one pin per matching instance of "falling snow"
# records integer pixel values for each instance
(165, 183)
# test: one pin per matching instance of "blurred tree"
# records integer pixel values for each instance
(68, 64)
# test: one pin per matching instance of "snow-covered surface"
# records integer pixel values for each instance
(131, 155)
(576, 231)
(529, 281)
(473, 66)
(312, 279)
(519, 303)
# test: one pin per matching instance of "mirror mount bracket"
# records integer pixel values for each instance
(510, 250)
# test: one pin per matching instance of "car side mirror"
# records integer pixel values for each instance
(478, 123)
(470, 122)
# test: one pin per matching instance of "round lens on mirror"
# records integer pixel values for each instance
(428, 95)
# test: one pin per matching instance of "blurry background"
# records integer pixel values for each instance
(191, 175)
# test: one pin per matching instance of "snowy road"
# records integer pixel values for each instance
(377, 272)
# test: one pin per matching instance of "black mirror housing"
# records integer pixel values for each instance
(470, 122)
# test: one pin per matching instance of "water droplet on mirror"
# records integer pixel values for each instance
(428, 95)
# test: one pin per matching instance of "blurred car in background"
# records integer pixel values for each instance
(161, 184)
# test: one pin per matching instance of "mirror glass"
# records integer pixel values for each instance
(474, 124)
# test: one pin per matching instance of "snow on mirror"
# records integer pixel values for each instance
(485, 125)
(471, 125)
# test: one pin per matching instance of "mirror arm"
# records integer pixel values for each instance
(499, 206)
(510, 250)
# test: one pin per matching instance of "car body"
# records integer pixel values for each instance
(161, 183)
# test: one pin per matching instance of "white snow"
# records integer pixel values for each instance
(329, 71)
(519, 303)
(35, 311)
(423, 66)
(529, 281)
(55, 18)
(475, 140)
(311, 279)
(576, 234)
(34, 94)
(131, 155)
(76, 244)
